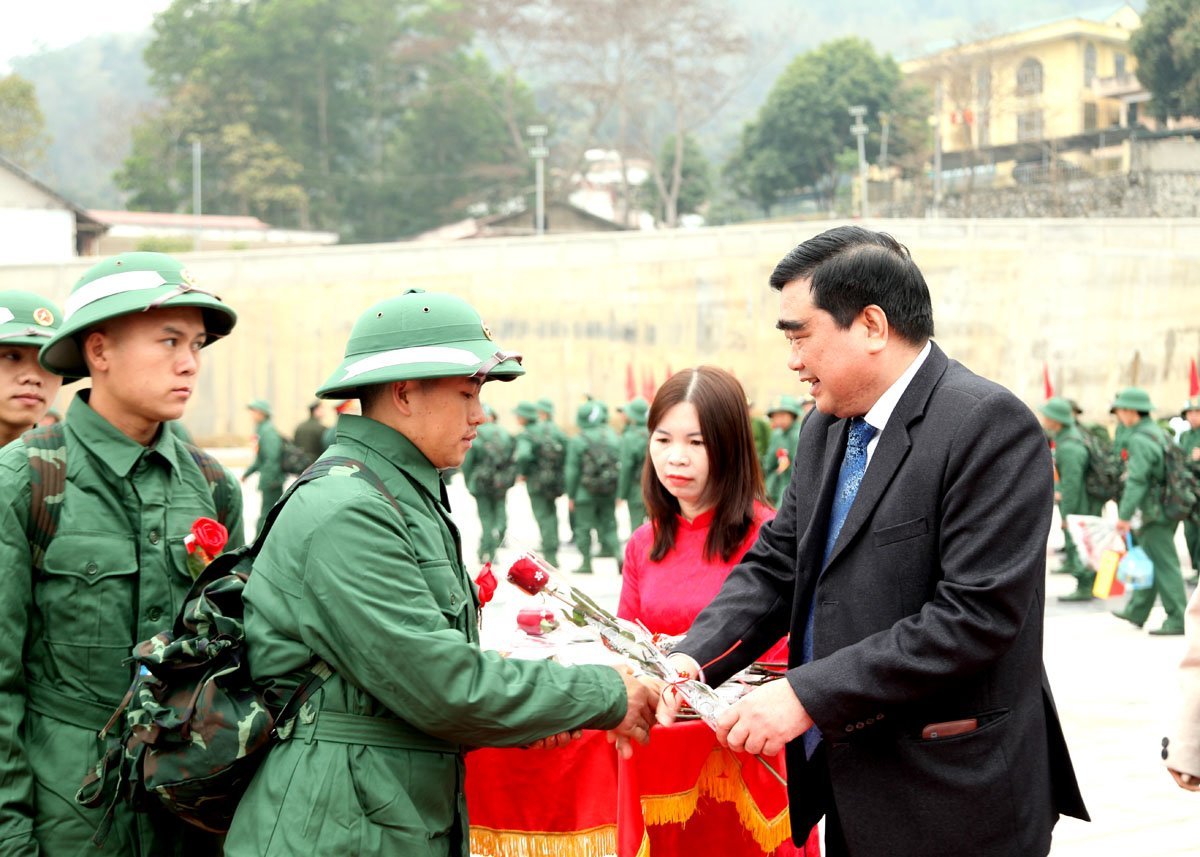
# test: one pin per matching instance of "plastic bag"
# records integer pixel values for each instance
(1136, 570)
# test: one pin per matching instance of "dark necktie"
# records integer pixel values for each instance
(850, 476)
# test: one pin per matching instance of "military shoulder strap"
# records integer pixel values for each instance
(46, 447)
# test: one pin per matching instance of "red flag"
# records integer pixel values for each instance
(630, 383)
(1046, 381)
(648, 387)
(1194, 382)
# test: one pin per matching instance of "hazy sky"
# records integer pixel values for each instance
(30, 26)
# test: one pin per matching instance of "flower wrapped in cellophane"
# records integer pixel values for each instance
(632, 641)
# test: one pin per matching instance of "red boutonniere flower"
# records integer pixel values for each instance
(486, 581)
(204, 544)
(528, 576)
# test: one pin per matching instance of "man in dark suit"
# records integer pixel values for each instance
(908, 562)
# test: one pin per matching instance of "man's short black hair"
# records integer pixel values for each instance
(851, 268)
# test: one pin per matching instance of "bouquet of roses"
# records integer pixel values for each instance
(634, 642)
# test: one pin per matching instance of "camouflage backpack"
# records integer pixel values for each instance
(494, 470)
(195, 725)
(549, 456)
(1181, 487)
(1102, 478)
(292, 459)
(599, 466)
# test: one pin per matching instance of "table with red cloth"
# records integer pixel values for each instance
(681, 794)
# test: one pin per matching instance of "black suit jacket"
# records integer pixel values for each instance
(930, 610)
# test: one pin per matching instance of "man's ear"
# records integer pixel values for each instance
(875, 321)
(398, 396)
(95, 349)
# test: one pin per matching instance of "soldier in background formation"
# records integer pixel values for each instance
(541, 457)
(760, 427)
(85, 579)
(1189, 441)
(592, 476)
(268, 458)
(545, 409)
(310, 434)
(635, 440)
(1145, 444)
(1071, 463)
(27, 390)
(784, 413)
(490, 469)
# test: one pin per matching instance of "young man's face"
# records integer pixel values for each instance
(1193, 418)
(444, 415)
(782, 420)
(26, 389)
(148, 361)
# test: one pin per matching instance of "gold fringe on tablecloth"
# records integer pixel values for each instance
(596, 842)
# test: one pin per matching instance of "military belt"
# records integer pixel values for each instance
(338, 727)
(84, 713)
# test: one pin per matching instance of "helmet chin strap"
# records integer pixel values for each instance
(181, 289)
(495, 360)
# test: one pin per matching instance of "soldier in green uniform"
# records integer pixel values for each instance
(1071, 463)
(545, 409)
(1190, 442)
(268, 458)
(26, 389)
(1145, 476)
(379, 591)
(540, 457)
(635, 439)
(309, 435)
(785, 415)
(760, 427)
(114, 571)
(593, 473)
(489, 470)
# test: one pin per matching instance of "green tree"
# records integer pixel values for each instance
(1167, 48)
(23, 138)
(695, 180)
(795, 140)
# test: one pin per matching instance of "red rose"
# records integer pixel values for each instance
(781, 453)
(536, 621)
(526, 574)
(211, 536)
(486, 581)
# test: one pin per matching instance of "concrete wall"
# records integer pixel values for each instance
(1104, 303)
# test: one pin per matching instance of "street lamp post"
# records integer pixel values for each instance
(859, 129)
(539, 152)
(196, 154)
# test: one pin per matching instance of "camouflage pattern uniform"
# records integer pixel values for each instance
(592, 512)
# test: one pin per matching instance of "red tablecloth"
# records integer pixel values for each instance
(683, 794)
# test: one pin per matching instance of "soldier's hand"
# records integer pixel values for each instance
(639, 713)
(1196, 453)
(1122, 528)
(782, 464)
(550, 742)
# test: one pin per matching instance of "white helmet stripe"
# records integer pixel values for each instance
(113, 284)
(408, 356)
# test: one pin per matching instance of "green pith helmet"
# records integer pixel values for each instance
(1133, 398)
(260, 405)
(1059, 410)
(544, 404)
(636, 410)
(27, 319)
(419, 335)
(591, 413)
(786, 404)
(122, 285)
(526, 411)
(1192, 404)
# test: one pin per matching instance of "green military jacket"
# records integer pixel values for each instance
(268, 459)
(635, 441)
(1071, 461)
(760, 427)
(575, 447)
(1188, 441)
(115, 574)
(1145, 473)
(310, 436)
(776, 483)
(491, 452)
(383, 597)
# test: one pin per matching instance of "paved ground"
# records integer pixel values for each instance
(1115, 687)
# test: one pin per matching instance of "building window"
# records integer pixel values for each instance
(1029, 77)
(1119, 65)
(1029, 125)
(1089, 64)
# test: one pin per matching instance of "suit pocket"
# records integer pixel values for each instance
(900, 532)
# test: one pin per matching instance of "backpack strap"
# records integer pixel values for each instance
(216, 477)
(46, 447)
